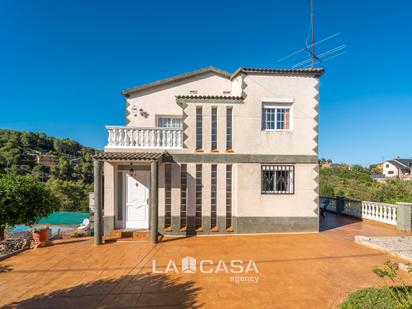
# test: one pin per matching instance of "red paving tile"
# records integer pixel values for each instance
(295, 271)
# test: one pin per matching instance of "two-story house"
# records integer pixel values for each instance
(209, 152)
(397, 169)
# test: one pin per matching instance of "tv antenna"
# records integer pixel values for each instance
(314, 58)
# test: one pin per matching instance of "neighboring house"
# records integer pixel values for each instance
(46, 160)
(212, 152)
(327, 165)
(397, 169)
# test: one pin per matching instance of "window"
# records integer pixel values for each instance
(183, 195)
(198, 218)
(387, 164)
(214, 128)
(275, 118)
(199, 127)
(169, 122)
(228, 196)
(278, 179)
(390, 172)
(229, 128)
(213, 197)
(168, 195)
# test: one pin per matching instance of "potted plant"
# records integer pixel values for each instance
(40, 235)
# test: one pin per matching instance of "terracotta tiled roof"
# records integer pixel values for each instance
(176, 78)
(136, 156)
(310, 71)
(209, 97)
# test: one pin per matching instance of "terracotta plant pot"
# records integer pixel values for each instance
(41, 235)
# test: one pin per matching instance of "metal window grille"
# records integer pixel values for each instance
(278, 179)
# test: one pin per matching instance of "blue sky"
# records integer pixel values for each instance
(64, 63)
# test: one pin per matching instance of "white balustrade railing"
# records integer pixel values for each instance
(381, 212)
(132, 137)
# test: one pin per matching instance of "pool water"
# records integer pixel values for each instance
(55, 229)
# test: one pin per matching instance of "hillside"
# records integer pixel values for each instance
(63, 164)
(355, 182)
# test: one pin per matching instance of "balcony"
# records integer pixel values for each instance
(144, 138)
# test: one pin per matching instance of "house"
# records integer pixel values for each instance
(46, 160)
(209, 152)
(397, 169)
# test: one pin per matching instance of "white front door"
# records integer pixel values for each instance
(137, 200)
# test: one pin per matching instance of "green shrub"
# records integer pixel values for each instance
(373, 298)
(24, 200)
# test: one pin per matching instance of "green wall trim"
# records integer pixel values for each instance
(108, 224)
(243, 158)
(276, 224)
(245, 225)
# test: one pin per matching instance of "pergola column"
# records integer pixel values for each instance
(154, 205)
(97, 202)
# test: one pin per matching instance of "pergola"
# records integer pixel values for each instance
(143, 157)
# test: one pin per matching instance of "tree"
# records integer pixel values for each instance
(62, 170)
(24, 200)
(73, 195)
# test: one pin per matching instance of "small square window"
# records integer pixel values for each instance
(278, 179)
(275, 118)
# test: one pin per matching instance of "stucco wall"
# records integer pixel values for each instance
(390, 168)
(251, 203)
(162, 101)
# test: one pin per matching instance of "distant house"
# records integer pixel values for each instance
(397, 169)
(330, 165)
(46, 160)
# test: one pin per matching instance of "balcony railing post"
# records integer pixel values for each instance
(403, 216)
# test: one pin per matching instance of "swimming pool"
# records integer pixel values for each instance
(55, 229)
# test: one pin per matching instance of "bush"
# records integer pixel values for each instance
(372, 298)
(24, 200)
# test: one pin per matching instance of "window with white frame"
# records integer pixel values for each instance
(278, 179)
(169, 122)
(276, 118)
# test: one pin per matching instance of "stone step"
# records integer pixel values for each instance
(141, 235)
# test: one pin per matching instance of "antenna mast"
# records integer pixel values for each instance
(313, 32)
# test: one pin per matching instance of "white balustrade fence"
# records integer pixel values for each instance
(380, 212)
(131, 137)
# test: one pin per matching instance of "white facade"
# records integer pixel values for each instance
(248, 142)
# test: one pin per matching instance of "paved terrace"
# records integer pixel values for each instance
(295, 271)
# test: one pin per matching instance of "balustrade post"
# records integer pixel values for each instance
(403, 216)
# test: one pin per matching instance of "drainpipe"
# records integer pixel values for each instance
(97, 202)
(154, 205)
